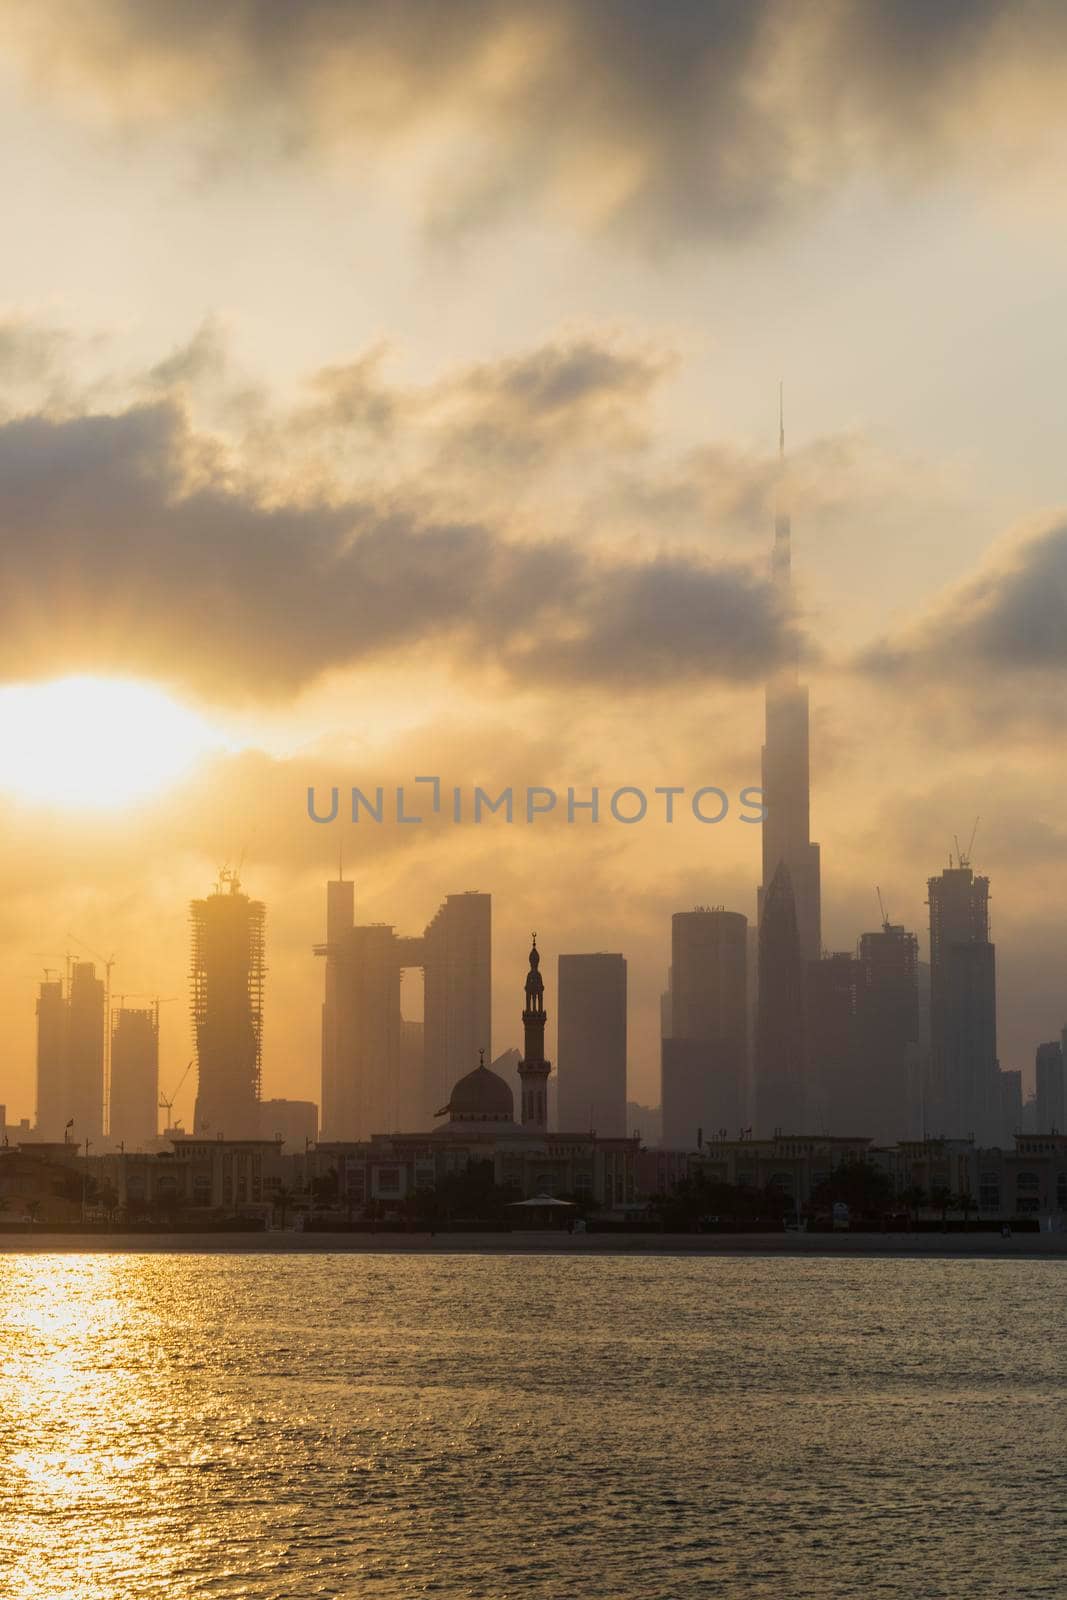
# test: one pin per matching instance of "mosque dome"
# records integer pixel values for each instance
(481, 1096)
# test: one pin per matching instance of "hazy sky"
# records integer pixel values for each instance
(395, 389)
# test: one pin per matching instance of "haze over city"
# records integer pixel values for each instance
(385, 427)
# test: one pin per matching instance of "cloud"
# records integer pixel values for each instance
(1010, 617)
(989, 658)
(137, 543)
(702, 118)
(202, 356)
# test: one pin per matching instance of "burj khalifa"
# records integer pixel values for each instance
(788, 899)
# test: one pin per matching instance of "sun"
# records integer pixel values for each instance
(100, 742)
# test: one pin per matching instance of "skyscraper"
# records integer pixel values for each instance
(786, 775)
(1049, 1088)
(456, 958)
(835, 1072)
(227, 975)
(53, 1101)
(340, 916)
(591, 1044)
(85, 1052)
(781, 1064)
(887, 1013)
(365, 1098)
(134, 1096)
(380, 1070)
(965, 1090)
(705, 1058)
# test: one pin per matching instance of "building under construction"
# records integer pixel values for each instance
(227, 976)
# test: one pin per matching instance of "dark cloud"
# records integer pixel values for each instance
(1010, 618)
(135, 543)
(545, 403)
(698, 117)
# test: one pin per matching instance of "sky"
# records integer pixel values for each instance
(390, 391)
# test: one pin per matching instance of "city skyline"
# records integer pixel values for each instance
(525, 542)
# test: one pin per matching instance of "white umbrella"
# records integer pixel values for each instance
(542, 1200)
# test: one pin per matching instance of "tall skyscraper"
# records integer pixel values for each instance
(591, 1044)
(786, 771)
(134, 1096)
(887, 1014)
(86, 1021)
(781, 1061)
(456, 958)
(1049, 1088)
(965, 1090)
(534, 1069)
(228, 968)
(53, 1100)
(705, 1058)
(340, 916)
(382, 1072)
(835, 1072)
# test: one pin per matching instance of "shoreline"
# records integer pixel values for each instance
(1034, 1246)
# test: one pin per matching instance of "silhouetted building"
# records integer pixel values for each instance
(889, 1100)
(1049, 1088)
(781, 1056)
(835, 1073)
(380, 1069)
(340, 916)
(704, 1061)
(591, 1043)
(965, 1091)
(786, 769)
(456, 957)
(534, 1069)
(134, 1100)
(228, 968)
(364, 1096)
(86, 1012)
(53, 1099)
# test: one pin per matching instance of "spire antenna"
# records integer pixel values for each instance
(781, 420)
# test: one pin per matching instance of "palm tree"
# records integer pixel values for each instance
(913, 1198)
(942, 1197)
(283, 1199)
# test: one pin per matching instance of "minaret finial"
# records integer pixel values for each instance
(533, 936)
(481, 1058)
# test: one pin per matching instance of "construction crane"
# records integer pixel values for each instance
(148, 995)
(882, 910)
(168, 1105)
(963, 857)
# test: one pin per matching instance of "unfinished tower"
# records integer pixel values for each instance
(227, 1008)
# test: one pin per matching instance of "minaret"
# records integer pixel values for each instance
(534, 1070)
(785, 760)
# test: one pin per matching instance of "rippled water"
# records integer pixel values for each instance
(541, 1426)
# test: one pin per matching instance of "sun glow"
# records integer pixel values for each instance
(96, 741)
